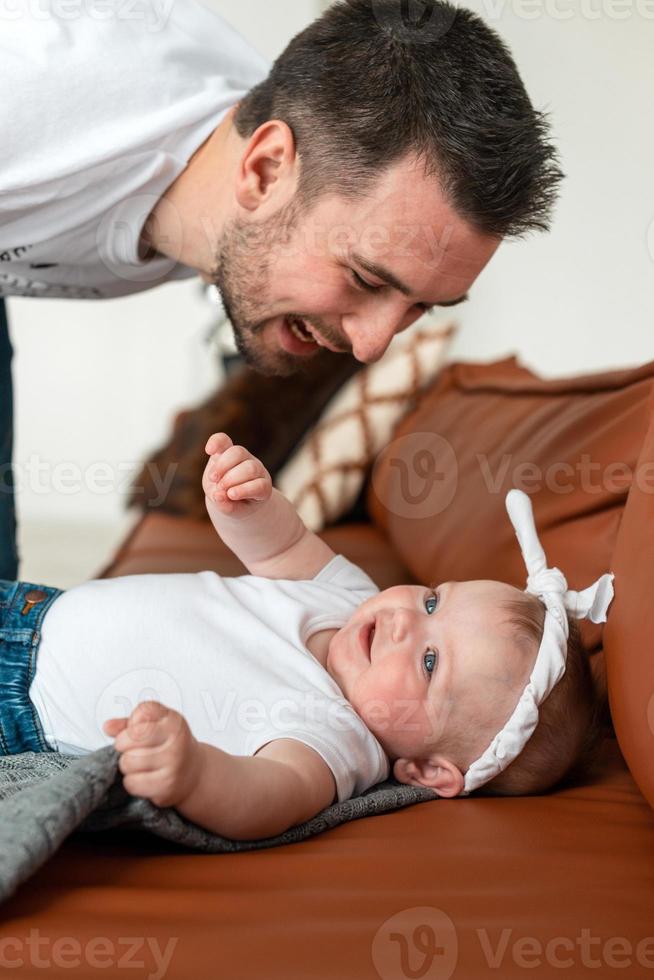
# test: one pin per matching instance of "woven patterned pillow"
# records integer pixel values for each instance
(324, 477)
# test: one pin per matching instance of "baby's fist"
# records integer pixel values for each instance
(159, 757)
(235, 481)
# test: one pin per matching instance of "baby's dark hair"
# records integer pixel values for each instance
(565, 743)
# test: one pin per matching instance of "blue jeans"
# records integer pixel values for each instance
(8, 552)
(22, 608)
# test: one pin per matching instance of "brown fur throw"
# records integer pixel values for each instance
(267, 415)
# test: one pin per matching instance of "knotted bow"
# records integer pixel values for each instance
(551, 587)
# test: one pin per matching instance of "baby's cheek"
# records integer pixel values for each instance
(376, 715)
(376, 703)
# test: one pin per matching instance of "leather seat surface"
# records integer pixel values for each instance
(567, 874)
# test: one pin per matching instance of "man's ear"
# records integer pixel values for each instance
(435, 772)
(268, 167)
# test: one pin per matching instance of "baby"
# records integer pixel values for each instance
(252, 703)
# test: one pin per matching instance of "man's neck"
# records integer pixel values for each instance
(187, 221)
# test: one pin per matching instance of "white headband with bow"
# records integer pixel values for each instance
(550, 585)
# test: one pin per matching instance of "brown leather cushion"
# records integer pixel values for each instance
(629, 631)
(572, 444)
(538, 887)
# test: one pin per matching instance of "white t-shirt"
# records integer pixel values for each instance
(228, 653)
(103, 104)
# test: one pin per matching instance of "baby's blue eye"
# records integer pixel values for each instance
(431, 602)
(433, 658)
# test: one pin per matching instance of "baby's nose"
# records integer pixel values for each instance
(400, 625)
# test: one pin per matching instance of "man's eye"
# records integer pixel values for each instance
(431, 602)
(363, 283)
(432, 658)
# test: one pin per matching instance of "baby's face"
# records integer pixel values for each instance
(413, 662)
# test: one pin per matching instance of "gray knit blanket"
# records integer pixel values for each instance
(45, 797)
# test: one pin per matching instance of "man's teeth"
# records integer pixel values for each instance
(296, 329)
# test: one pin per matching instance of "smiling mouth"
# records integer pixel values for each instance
(299, 329)
(366, 636)
(309, 335)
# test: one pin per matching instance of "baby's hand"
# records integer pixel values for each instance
(234, 480)
(160, 759)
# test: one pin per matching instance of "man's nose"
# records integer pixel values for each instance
(368, 349)
(370, 335)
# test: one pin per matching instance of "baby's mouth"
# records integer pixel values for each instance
(364, 638)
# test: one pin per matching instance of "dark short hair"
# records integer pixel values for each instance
(361, 90)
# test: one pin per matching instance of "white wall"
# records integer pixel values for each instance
(582, 297)
(101, 381)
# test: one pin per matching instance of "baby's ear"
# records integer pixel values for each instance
(436, 772)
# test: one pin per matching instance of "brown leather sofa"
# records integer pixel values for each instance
(560, 885)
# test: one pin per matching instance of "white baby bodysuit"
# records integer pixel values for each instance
(228, 653)
(102, 107)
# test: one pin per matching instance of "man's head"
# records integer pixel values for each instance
(379, 169)
(436, 673)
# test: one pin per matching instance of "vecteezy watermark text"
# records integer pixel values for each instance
(227, 710)
(42, 477)
(423, 942)
(419, 22)
(154, 14)
(417, 476)
(98, 953)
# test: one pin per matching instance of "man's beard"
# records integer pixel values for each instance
(242, 275)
